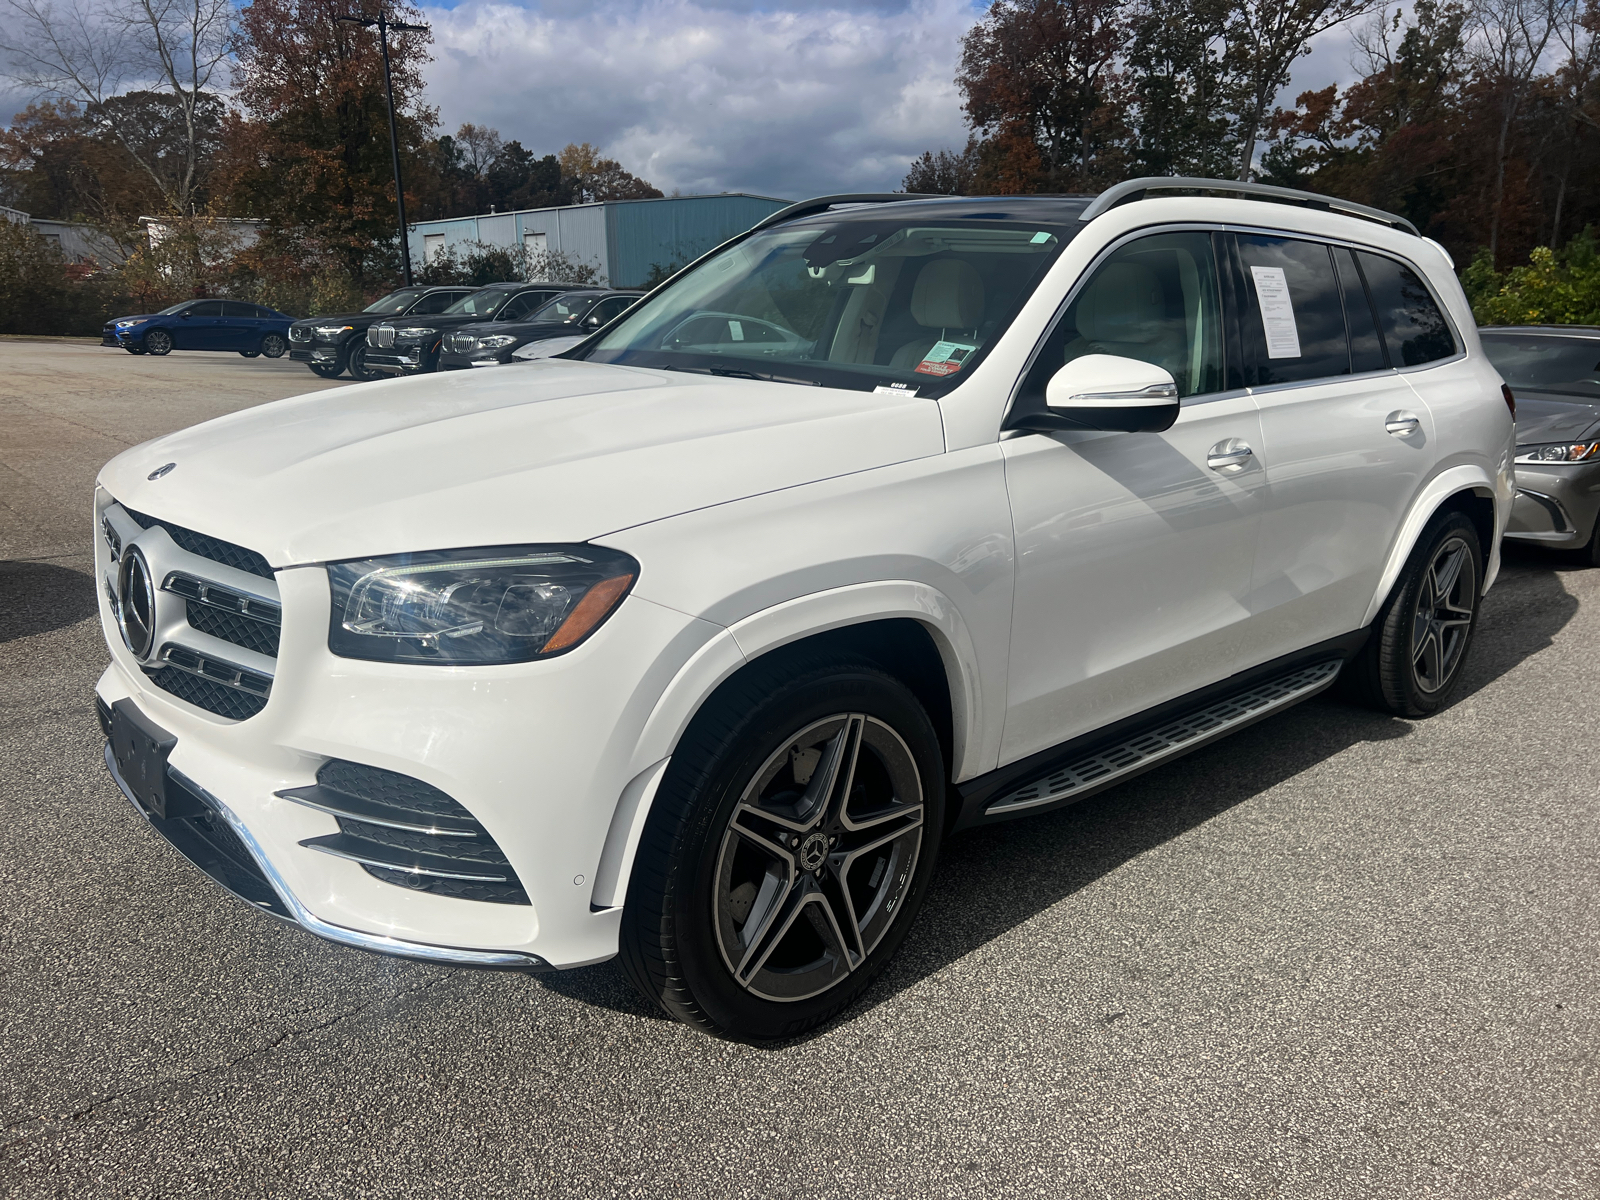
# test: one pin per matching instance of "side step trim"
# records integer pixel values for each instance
(1111, 764)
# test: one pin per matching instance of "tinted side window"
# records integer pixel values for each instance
(1366, 348)
(1293, 316)
(233, 308)
(436, 302)
(1154, 299)
(206, 308)
(606, 310)
(519, 306)
(1413, 327)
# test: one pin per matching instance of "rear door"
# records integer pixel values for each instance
(1345, 442)
(1134, 550)
(240, 328)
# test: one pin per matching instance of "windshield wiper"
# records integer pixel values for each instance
(740, 373)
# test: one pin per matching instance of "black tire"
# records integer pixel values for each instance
(249, 354)
(134, 349)
(1413, 662)
(358, 365)
(158, 342)
(274, 345)
(856, 848)
(1592, 550)
(327, 370)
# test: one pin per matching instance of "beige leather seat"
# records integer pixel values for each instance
(1123, 311)
(947, 297)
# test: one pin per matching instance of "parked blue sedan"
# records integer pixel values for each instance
(249, 329)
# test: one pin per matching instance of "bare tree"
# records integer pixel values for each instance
(1509, 38)
(93, 51)
(1577, 88)
(1264, 39)
(480, 146)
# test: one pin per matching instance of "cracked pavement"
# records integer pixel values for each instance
(1337, 955)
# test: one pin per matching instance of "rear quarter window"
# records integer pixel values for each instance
(1414, 328)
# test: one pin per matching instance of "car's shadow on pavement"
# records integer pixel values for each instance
(994, 878)
(37, 597)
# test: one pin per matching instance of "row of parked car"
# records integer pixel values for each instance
(409, 332)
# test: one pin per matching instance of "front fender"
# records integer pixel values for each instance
(1450, 482)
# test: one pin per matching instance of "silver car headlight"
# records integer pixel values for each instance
(126, 324)
(496, 341)
(1559, 452)
(329, 333)
(494, 604)
(412, 333)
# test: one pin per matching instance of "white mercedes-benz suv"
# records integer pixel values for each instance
(891, 517)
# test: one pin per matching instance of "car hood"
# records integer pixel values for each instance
(345, 318)
(520, 328)
(556, 451)
(1550, 417)
(435, 321)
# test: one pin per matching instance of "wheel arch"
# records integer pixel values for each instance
(911, 630)
(1469, 490)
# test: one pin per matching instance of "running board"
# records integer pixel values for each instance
(1142, 751)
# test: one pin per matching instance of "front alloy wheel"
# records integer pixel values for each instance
(788, 848)
(817, 857)
(158, 342)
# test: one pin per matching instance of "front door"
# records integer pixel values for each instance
(1345, 441)
(1134, 550)
(199, 326)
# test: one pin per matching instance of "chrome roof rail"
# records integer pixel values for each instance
(808, 208)
(1136, 189)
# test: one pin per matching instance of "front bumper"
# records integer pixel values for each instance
(538, 753)
(322, 355)
(1556, 506)
(407, 361)
(450, 361)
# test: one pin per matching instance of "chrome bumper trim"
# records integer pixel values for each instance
(303, 916)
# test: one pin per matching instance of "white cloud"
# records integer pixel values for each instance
(708, 95)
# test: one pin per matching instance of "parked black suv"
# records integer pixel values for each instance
(491, 343)
(330, 344)
(401, 346)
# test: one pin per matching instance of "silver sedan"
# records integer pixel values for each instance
(1554, 370)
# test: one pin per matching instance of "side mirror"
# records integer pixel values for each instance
(185, 314)
(1108, 392)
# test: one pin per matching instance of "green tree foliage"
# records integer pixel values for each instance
(40, 291)
(1555, 287)
(479, 263)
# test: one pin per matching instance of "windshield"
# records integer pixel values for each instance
(480, 304)
(563, 310)
(394, 302)
(1547, 363)
(853, 300)
(175, 309)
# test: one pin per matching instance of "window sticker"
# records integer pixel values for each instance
(1277, 312)
(736, 330)
(945, 358)
(894, 389)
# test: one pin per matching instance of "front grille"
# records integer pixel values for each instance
(231, 627)
(299, 333)
(206, 546)
(381, 336)
(207, 694)
(461, 343)
(408, 833)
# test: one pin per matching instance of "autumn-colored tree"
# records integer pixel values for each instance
(311, 151)
(591, 177)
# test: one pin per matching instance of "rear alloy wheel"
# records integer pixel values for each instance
(274, 345)
(1413, 661)
(787, 851)
(158, 342)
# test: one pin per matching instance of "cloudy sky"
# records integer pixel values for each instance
(783, 98)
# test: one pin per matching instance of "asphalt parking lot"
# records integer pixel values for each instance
(1338, 955)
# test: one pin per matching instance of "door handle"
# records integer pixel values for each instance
(1401, 424)
(1229, 457)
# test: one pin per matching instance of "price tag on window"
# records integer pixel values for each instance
(945, 358)
(1277, 312)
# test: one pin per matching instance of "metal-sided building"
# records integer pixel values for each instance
(622, 239)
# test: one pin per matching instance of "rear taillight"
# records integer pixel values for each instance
(1511, 401)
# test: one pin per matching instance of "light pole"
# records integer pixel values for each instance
(382, 23)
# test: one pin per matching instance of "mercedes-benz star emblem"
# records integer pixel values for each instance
(813, 852)
(160, 471)
(137, 611)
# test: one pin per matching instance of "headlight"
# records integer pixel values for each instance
(329, 332)
(126, 324)
(413, 332)
(1559, 452)
(496, 604)
(496, 341)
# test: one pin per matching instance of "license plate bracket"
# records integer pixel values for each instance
(141, 749)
